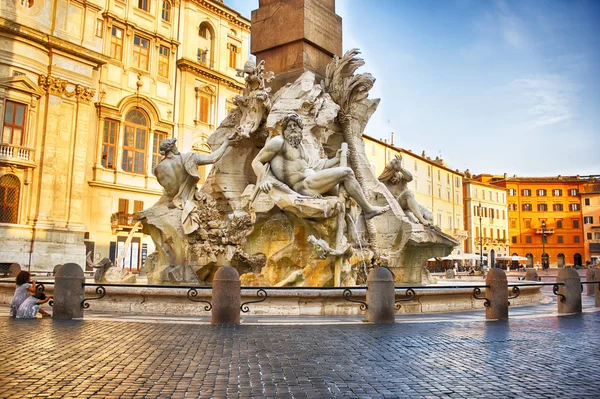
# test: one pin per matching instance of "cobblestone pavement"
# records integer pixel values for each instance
(537, 357)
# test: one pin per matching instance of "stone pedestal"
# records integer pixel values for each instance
(590, 288)
(571, 290)
(68, 292)
(497, 294)
(294, 36)
(380, 296)
(226, 297)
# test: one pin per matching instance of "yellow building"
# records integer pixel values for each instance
(435, 185)
(87, 92)
(486, 219)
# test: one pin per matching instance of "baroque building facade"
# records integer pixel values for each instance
(88, 90)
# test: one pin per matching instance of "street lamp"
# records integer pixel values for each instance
(480, 212)
(544, 258)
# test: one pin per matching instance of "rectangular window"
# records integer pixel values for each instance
(541, 192)
(448, 178)
(513, 224)
(134, 150)
(99, 27)
(526, 193)
(587, 202)
(439, 174)
(513, 239)
(503, 214)
(574, 207)
(484, 232)
(542, 207)
(576, 239)
(526, 207)
(474, 192)
(13, 131)
(575, 223)
(144, 5)
(163, 61)
(528, 239)
(156, 156)
(477, 232)
(557, 193)
(166, 11)
(457, 181)
(109, 141)
(123, 205)
(588, 220)
(449, 222)
(589, 236)
(138, 206)
(439, 192)
(527, 223)
(457, 198)
(512, 192)
(448, 195)
(141, 48)
(116, 43)
(482, 194)
(233, 50)
(439, 220)
(204, 109)
(559, 224)
(428, 171)
(557, 207)
(573, 192)
(559, 239)
(415, 165)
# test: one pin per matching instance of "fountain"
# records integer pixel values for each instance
(291, 199)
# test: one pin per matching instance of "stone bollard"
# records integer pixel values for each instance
(380, 296)
(531, 275)
(226, 297)
(589, 276)
(68, 292)
(497, 294)
(14, 269)
(597, 285)
(571, 290)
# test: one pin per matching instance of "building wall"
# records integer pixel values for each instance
(590, 205)
(562, 216)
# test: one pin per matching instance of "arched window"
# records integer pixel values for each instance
(560, 258)
(577, 260)
(206, 39)
(9, 198)
(529, 260)
(135, 142)
(166, 11)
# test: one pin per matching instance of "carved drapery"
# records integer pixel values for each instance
(58, 87)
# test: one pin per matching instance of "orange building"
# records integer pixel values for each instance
(545, 219)
(590, 207)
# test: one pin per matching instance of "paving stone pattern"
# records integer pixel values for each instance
(548, 357)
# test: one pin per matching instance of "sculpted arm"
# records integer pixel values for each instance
(406, 174)
(213, 156)
(266, 154)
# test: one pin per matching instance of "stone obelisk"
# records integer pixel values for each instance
(293, 36)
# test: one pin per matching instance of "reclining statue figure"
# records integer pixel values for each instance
(395, 174)
(284, 159)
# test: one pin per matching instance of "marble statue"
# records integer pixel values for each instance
(283, 159)
(178, 175)
(395, 175)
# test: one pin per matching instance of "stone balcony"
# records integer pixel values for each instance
(17, 155)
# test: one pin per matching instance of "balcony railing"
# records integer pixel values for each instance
(16, 153)
(121, 219)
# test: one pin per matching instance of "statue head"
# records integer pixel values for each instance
(168, 145)
(249, 66)
(292, 129)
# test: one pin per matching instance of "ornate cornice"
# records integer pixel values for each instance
(58, 87)
(188, 65)
(226, 13)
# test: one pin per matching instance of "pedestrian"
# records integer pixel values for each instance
(31, 306)
(24, 287)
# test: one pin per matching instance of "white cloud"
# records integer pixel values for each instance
(549, 98)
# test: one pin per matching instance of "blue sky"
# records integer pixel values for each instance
(493, 86)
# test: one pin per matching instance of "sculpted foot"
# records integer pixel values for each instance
(376, 211)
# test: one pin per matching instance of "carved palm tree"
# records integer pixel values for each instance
(351, 93)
